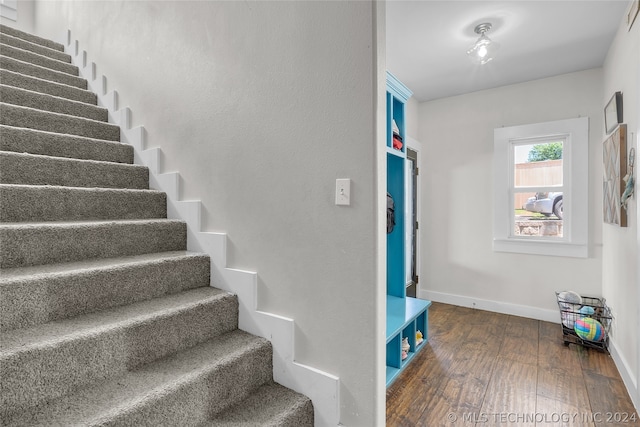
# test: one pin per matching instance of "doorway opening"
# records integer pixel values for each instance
(412, 223)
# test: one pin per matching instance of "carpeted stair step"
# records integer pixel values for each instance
(35, 295)
(34, 169)
(272, 405)
(13, 115)
(48, 361)
(185, 389)
(23, 140)
(34, 47)
(16, 66)
(27, 244)
(33, 203)
(35, 84)
(41, 101)
(31, 38)
(37, 59)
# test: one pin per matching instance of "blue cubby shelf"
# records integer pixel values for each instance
(404, 317)
(397, 153)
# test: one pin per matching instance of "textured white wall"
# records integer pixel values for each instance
(411, 117)
(261, 106)
(621, 279)
(380, 376)
(457, 137)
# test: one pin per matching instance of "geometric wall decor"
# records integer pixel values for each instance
(614, 157)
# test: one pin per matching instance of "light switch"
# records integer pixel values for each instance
(343, 192)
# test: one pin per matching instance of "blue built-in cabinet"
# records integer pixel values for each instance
(405, 315)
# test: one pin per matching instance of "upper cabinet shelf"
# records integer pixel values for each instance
(397, 88)
(396, 142)
(397, 95)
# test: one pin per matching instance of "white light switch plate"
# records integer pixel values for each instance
(343, 192)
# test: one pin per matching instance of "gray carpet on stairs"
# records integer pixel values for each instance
(182, 390)
(24, 117)
(34, 47)
(28, 69)
(35, 295)
(105, 317)
(35, 203)
(26, 244)
(27, 98)
(18, 168)
(108, 343)
(271, 406)
(22, 140)
(39, 85)
(31, 38)
(37, 59)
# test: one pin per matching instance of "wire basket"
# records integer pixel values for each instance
(571, 312)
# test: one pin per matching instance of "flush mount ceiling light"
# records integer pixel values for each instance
(484, 49)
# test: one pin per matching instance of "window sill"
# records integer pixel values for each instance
(536, 247)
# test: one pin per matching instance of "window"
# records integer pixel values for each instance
(9, 9)
(541, 188)
(536, 188)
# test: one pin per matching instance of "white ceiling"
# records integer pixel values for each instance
(427, 41)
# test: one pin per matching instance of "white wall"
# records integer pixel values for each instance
(261, 106)
(458, 263)
(411, 117)
(621, 279)
(380, 112)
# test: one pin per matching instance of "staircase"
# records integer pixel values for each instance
(105, 318)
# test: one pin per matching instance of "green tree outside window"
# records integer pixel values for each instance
(542, 152)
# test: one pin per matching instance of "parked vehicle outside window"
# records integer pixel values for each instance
(545, 203)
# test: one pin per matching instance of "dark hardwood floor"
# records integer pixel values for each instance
(488, 369)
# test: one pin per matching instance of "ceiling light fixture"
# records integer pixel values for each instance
(484, 49)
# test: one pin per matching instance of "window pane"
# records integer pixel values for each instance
(537, 165)
(538, 214)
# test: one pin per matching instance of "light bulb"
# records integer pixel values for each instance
(484, 49)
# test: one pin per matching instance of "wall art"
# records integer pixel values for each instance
(614, 156)
(613, 112)
(633, 12)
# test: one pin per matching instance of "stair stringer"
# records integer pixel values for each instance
(321, 387)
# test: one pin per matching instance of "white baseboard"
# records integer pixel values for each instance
(321, 387)
(494, 306)
(627, 375)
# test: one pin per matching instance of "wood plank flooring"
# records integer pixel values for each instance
(489, 369)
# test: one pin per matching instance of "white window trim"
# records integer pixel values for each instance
(574, 242)
(9, 9)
